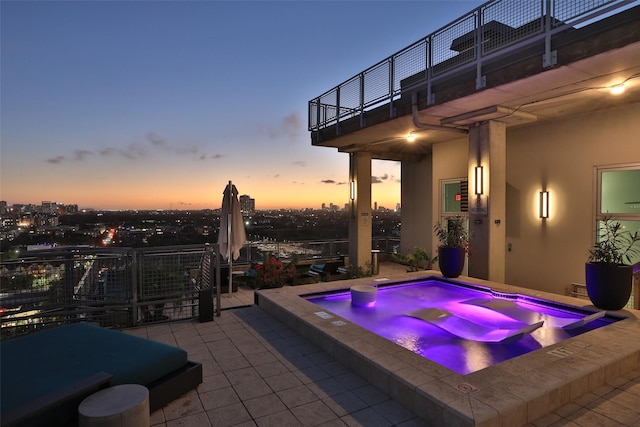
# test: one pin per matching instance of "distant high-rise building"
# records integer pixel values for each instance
(3, 207)
(375, 206)
(49, 207)
(67, 209)
(247, 204)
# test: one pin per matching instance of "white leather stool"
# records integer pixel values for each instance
(125, 405)
(363, 295)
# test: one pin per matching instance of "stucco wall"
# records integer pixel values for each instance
(560, 155)
(450, 161)
(416, 200)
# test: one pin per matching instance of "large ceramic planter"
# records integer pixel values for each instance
(608, 286)
(451, 261)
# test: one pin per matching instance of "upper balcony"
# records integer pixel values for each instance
(516, 62)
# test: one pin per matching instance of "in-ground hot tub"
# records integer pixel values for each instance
(512, 392)
(461, 326)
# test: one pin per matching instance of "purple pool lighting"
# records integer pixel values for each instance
(462, 326)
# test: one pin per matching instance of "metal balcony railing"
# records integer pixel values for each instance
(115, 288)
(124, 287)
(495, 28)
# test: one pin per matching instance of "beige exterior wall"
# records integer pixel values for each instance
(560, 155)
(417, 199)
(450, 161)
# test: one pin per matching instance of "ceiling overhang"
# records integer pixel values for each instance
(572, 88)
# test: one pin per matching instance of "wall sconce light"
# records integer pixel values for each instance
(411, 137)
(478, 181)
(352, 190)
(544, 204)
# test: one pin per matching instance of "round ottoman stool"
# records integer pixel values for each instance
(117, 406)
(363, 295)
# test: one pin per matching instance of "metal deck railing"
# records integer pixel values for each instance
(124, 287)
(493, 29)
(115, 288)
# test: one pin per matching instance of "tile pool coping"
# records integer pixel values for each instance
(511, 393)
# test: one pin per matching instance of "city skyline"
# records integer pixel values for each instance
(157, 105)
(52, 205)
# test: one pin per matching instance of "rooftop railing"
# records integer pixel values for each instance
(495, 28)
(116, 288)
(125, 287)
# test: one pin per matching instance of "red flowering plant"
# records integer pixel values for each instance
(273, 273)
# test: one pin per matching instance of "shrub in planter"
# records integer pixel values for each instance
(607, 273)
(453, 246)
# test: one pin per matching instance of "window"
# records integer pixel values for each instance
(455, 197)
(619, 196)
(620, 192)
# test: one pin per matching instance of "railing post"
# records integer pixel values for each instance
(429, 69)
(318, 114)
(134, 288)
(363, 122)
(68, 282)
(338, 111)
(480, 79)
(214, 265)
(548, 60)
(392, 110)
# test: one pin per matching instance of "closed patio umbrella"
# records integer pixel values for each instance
(232, 235)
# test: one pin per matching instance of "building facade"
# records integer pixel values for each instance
(508, 112)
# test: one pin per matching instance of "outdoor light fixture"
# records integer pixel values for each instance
(478, 181)
(352, 190)
(617, 89)
(411, 137)
(544, 204)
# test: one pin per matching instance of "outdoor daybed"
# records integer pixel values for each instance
(46, 374)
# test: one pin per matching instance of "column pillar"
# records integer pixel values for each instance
(416, 196)
(360, 206)
(487, 211)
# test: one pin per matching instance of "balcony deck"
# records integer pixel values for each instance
(257, 371)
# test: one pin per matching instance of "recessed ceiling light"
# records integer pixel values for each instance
(617, 89)
(411, 137)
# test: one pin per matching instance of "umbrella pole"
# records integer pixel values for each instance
(229, 226)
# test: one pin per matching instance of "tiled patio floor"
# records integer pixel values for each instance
(257, 371)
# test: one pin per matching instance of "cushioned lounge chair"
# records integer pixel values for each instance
(45, 375)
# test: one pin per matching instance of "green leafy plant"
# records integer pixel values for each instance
(416, 258)
(453, 234)
(614, 245)
(356, 271)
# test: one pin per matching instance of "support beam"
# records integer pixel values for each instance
(487, 211)
(417, 204)
(360, 218)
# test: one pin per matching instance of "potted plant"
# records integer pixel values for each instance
(607, 273)
(453, 246)
(416, 259)
(273, 273)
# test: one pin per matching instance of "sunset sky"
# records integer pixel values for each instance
(157, 105)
